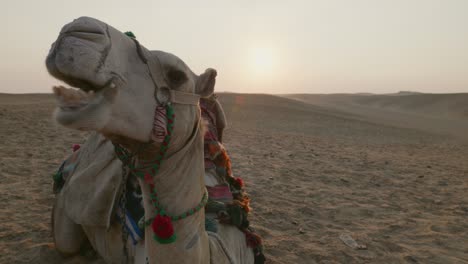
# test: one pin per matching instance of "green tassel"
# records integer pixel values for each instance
(130, 34)
(172, 239)
(57, 177)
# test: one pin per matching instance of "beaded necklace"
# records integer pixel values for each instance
(161, 224)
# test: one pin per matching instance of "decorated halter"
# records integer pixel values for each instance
(161, 223)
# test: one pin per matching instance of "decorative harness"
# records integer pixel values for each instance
(161, 223)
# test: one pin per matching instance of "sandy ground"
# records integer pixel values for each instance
(314, 172)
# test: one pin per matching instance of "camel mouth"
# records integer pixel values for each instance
(82, 85)
(73, 99)
(84, 110)
(76, 99)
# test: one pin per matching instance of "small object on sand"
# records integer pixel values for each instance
(301, 231)
(271, 178)
(411, 259)
(350, 242)
(344, 180)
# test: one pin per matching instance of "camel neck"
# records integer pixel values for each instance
(182, 169)
(180, 187)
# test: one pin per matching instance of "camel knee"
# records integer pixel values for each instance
(68, 244)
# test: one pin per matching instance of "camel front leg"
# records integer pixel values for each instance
(68, 236)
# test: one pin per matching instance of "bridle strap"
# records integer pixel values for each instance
(165, 97)
(162, 93)
(178, 97)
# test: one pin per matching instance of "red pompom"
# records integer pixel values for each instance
(148, 178)
(162, 226)
(239, 182)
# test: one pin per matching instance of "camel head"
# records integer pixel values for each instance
(117, 82)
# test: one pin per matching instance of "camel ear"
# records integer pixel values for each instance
(206, 83)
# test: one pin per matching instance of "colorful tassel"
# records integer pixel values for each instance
(130, 34)
(163, 229)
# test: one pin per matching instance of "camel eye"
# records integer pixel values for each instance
(176, 77)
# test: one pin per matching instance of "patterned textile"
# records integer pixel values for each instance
(220, 193)
(135, 233)
(212, 146)
(159, 124)
(228, 202)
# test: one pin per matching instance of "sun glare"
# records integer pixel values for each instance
(262, 61)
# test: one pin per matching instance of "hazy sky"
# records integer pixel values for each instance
(267, 46)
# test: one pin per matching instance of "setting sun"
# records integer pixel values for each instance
(262, 61)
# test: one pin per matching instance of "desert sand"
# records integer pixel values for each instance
(389, 171)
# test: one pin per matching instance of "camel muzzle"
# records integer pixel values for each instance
(80, 53)
(85, 26)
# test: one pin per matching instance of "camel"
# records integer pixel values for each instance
(130, 96)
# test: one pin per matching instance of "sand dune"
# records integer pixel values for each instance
(445, 114)
(450, 106)
(443, 105)
(314, 171)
